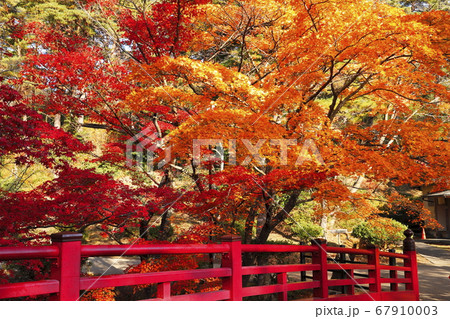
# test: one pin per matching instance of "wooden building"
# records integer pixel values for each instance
(439, 205)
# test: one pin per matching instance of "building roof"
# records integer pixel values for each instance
(446, 194)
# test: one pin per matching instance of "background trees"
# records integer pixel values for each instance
(362, 84)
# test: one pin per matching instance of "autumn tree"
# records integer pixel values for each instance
(77, 70)
(333, 102)
(349, 77)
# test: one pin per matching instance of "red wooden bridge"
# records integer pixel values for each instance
(388, 275)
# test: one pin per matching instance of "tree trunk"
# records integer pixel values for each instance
(143, 229)
(324, 225)
(164, 227)
(57, 122)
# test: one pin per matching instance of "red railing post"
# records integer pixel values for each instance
(233, 260)
(409, 248)
(67, 270)
(282, 280)
(163, 291)
(374, 260)
(320, 257)
(393, 273)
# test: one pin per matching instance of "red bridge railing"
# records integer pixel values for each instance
(385, 281)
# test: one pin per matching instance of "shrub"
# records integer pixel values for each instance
(380, 232)
(306, 229)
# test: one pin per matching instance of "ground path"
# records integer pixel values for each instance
(434, 272)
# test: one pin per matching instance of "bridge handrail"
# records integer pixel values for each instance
(278, 248)
(29, 252)
(66, 281)
(163, 249)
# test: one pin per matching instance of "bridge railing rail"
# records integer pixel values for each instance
(331, 279)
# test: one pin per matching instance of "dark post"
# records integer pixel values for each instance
(233, 260)
(409, 248)
(302, 261)
(67, 270)
(393, 273)
(320, 257)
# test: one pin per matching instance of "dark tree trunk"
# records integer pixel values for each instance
(164, 227)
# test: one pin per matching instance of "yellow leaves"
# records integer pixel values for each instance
(319, 58)
(380, 40)
(365, 48)
(184, 80)
(225, 124)
(404, 152)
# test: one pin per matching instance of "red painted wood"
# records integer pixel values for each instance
(412, 274)
(358, 297)
(394, 275)
(381, 296)
(15, 253)
(233, 260)
(398, 268)
(68, 250)
(166, 249)
(320, 257)
(349, 266)
(151, 278)
(398, 296)
(277, 248)
(374, 260)
(348, 282)
(349, 250)
(395, 280)
(396, 255)
(351, 275)
(271, 289)
(163, 291)
(68, 265)
(262, 290)
(282, 282)
(32, 288)
(271, 269)
(203, 296)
